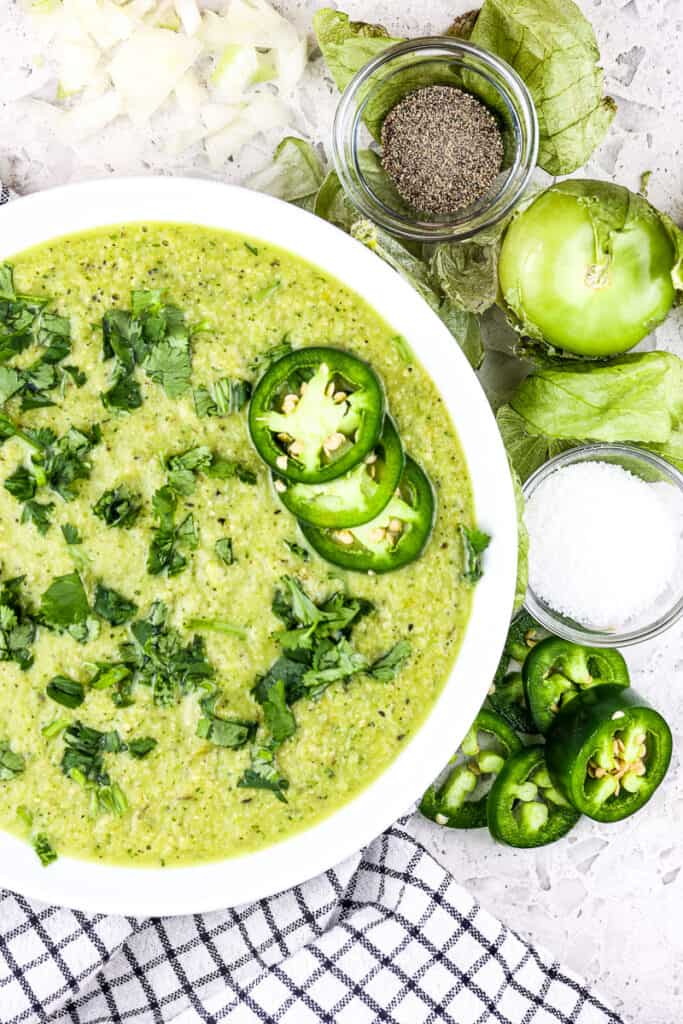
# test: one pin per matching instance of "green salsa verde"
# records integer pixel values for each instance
(184, 804)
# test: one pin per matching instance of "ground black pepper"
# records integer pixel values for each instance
(442, 148)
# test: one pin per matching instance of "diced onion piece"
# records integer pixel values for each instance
(290, 65)
(215, 116)
(148, 66)
(234, 72)
(256, 23)
(189, 93)
(214, 32)
(77, 63)
(188, 12)
(88, 118)
(105, 21)
(260, 114)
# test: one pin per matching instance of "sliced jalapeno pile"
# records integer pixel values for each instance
(355, 498)
(525, 809)
(608, 751)
(555, 671)
(507, 695)
(460, 802)
(392, 539)
(316, 413)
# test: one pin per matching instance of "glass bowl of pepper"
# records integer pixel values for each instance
(435, 139)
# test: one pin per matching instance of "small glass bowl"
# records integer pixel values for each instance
(668, 608)
(401, 69)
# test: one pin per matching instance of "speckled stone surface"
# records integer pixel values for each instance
(608, 900)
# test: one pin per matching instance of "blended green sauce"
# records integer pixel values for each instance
(184, 804)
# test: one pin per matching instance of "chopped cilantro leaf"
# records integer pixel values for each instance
(44, 849)
(264, 774)
(390, 664)
(112, 606)
(11, 764)
(38, 513)
(222, 398)
(71, 534)
(169, 364)
(474, 543)
(17, 625)
(65, 602)
(65, 691)
(124, 393)
(223, 732)
(110, 674)
(223, 549)
(163, 552)
(119, 507)
(217, 626)
(277, 714)
(141, 747)
(21, 484)
(151, 335)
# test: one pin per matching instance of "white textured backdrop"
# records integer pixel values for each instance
(609, 899)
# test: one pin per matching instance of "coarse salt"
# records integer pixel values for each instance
(603, 543)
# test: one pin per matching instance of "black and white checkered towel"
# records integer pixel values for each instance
(387, 936)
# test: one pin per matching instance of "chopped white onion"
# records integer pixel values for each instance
(189, 14)
(115, 57)
(88, 118)
(147, 68)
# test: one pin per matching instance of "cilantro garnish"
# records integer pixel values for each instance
(158, 658)
(66, 691)
(24, 322)
(184, 468)
(151, 335)
(222, 398)
(112, 606)
(71, 534)
(64, 606)
(474, 543)
(141, 747)
(17, 625)
(11, 764)
(223, 549)
(119, 507)
(44, 849)
(390, 664)
(223, 732)
(164, 554)
(263, 773)
(57, 463)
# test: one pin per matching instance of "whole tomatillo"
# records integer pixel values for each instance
(590, 268)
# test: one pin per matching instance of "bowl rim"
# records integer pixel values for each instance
(554, 622)
(520, 171)
(147, 891)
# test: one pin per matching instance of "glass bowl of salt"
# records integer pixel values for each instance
(435, 139)
(605, 526)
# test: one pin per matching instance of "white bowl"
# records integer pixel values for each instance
(150, 891)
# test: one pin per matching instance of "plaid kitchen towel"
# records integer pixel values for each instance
(387, 936)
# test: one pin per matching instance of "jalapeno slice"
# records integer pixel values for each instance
(394, 538)
(608, 751)
(507, 695)
(460, 802)
(524, 808)
(316, 413)
(556, 670)
(355, 498)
